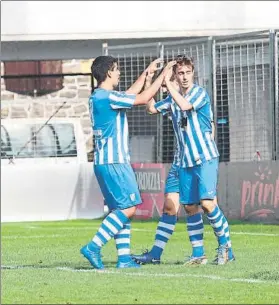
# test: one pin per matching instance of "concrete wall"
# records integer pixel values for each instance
(247, 191)
(76, 90)
(43, 192)
(26, 20)
(50, 50)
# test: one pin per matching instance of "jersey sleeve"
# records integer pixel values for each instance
(121, 100)
(199, 98)
(163, 106)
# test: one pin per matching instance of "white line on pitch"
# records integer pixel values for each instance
(144, 274)
(135, 229)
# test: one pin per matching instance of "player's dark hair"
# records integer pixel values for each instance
(100, 67)
(184, 60)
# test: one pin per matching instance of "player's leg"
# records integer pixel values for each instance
(121, 195)
(189, 198)
(167, 221)
(208, 174)
(131, 197)
(227, 233)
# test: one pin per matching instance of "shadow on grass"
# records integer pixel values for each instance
(72, 266)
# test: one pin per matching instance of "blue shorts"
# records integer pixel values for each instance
(118, 185)
(172, 182)
(198, 182)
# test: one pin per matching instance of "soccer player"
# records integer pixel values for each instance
(171, 203)
(198, 171)
(112, 167)
(168, 219)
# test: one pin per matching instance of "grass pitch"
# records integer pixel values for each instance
(41, 264)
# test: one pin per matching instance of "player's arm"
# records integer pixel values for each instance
(144, 97)
(197, 99)
(150, 105)
(213, 129)
(139, 83)
(123, 100)
(162, 106)
(181, 101)
(212, 124)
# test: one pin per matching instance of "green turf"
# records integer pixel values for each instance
(39, 249)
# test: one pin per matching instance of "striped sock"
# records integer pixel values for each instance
(164, 231)
(195, 230)
(110, 226)
(227, 234)
(122, 241)
(215, 219)
(227, 231)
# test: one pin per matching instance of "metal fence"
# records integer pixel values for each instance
(240, 73)
(276, 79)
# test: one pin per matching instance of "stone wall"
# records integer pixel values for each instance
(76, 90)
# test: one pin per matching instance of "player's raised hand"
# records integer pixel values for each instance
(167, 72)
(154, 66)
(168, 75)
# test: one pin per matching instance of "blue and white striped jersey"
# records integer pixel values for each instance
(166, 106)
(110, 125)
(195, 140)
(198, 143)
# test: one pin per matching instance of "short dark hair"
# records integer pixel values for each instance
(100, 67)
(184, 60)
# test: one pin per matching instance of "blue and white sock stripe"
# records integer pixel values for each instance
(166, 226)
(216, 218)
(195, 228)
(194, 224)
(164, 231)
(112, 217)
(110, 226)
(216, 221)
(227, 232)
(197, 243)
(123, 244)
(195, 233)
(218, 225)
(99, 239)
(123, 240)
(159, 243)
(163, 234)
(123, 234)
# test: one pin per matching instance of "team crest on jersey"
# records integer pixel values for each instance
(133, 196)
(97, 133)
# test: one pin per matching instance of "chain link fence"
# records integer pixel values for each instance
(241, 75)
(145, 130)
(243, 101)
